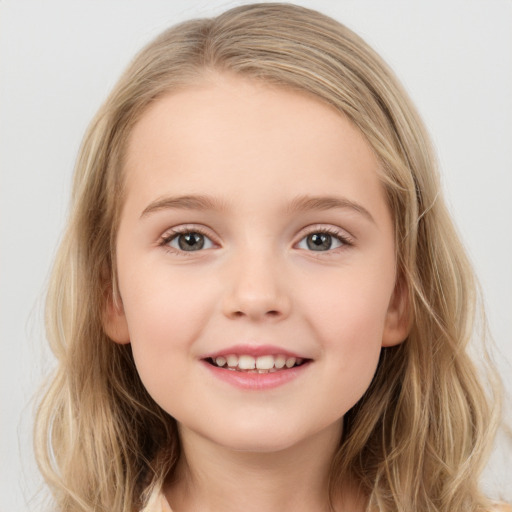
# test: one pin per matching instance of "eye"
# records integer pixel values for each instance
(322, 241)
(188, 241)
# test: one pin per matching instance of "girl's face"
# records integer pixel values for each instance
(254, 231)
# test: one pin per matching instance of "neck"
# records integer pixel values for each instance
(212, 477)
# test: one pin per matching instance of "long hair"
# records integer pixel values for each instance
(420, 436)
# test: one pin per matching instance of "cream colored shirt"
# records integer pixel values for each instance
(158, 503)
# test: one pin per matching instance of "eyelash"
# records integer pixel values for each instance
(344, 238)
(184, 230)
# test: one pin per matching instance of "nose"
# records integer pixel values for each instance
(256, 289)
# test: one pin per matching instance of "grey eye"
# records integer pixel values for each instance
(190, 241)
(320, 242)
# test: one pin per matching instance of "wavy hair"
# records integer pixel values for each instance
(420, 436)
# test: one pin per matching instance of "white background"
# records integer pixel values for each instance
(58, 60)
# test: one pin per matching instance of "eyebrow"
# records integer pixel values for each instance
(299, 204)
(196, 202)
(319, 203)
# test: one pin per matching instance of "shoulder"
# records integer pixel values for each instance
(502, 507)
(157, 503)
(167, 508)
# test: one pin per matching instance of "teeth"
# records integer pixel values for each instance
(246, 363)
(261, 364)
(265, 362)
(290, 362)
(280, 361)
(232, 360)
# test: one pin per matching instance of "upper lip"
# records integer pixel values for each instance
(253, 350)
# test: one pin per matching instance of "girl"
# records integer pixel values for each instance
(260, 302)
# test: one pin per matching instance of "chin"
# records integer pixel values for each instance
(263, 438)
(265, 445)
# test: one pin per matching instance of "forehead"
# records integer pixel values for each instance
(230, 130)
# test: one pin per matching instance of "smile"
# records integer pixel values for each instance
(256, 368)
(250, 364)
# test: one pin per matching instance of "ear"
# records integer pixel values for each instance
(114, 321)
(398, 317)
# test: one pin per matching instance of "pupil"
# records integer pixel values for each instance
(191, 242)
(319, 241)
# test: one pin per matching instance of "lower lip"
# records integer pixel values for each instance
(257, 381)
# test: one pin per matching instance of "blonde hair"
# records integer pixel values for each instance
(421, 434)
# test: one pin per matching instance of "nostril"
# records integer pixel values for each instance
(255, 306)
(271, 313)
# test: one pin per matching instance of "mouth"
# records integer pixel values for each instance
(245, 363)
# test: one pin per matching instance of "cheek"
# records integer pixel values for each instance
(353, 307)
(165, 317)
(351, 341)
(348, 318)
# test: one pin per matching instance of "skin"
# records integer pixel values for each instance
(253, 150)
